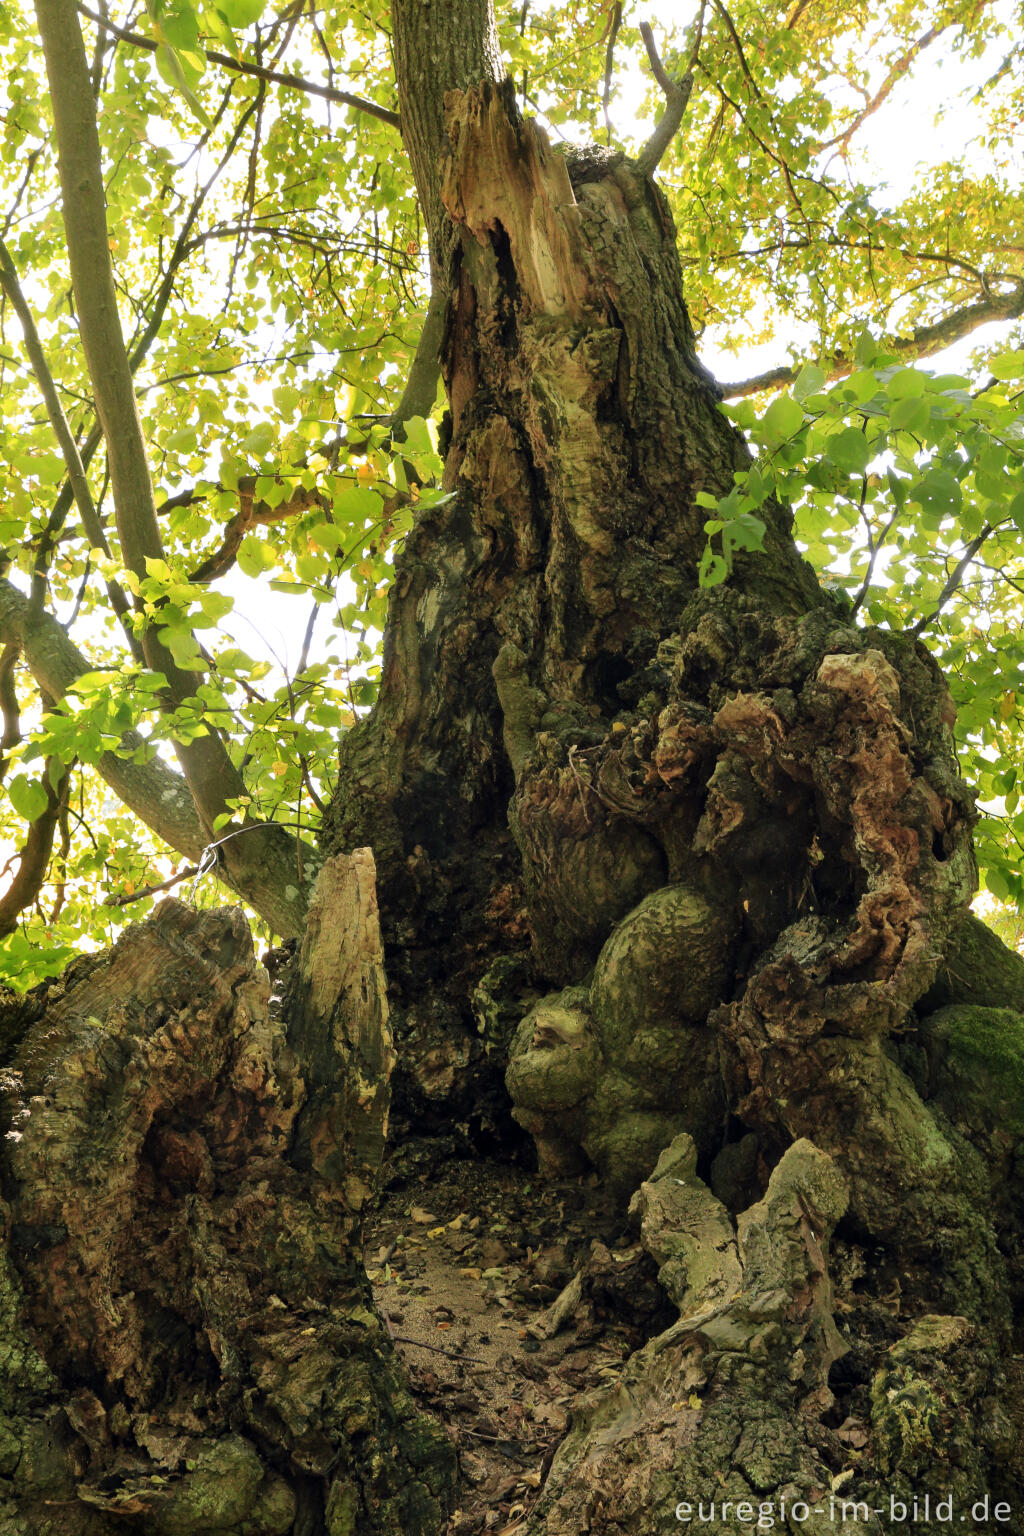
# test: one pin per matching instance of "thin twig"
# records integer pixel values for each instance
(403, 1338)
(955, 578)
(615, 22)
(125, 900)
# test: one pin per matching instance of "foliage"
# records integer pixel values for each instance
(267, 251)
(908, 489)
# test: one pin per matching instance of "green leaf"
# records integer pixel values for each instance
(173, 68)
(259, 441)
(938, 492)
(849, 450)
(241, 13)
(27, 796)
(1008, 365)
(809, 381)
(782, 419)
(906, 384)
(910, 414)
(712, 569)
(356, 504)
(255, 556)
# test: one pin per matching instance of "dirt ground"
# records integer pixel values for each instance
(508, 1296)
(468, 1260)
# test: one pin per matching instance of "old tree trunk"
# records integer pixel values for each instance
(698, 862)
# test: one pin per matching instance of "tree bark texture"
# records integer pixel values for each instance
(713, 850)
(189, 1341)
(680, 877)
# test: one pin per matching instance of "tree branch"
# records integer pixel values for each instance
(614, 23)
(262, 866)
(956, 576)
(126, 898)
(420, 389)
(9, 658)
(34, 856)
(894, 76)
(677, 96)
(77, 478)
(251, 514)
(923, 342)
(158, 796)
(256, 71)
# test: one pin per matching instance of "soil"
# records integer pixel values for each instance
(474, 1267)
(467, 1260)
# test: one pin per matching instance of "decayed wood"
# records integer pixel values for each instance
(551, 666)
(339, 1026)
(185, 1169)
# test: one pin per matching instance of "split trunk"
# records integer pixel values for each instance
(673, 881)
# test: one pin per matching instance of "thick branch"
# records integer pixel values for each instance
(212, 778)
(264, 872)
(34, 857)
(677, 96)
(421, 386)
(256, 71)
(77, 478)
(9, 706)
(923, 342)
(251, 514)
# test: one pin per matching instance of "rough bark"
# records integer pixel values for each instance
(189, 1338)
(724, 837)
(692, 866)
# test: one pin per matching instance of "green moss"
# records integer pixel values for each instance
(218, 1491)
(666, 962)
(907, 1419)
(981, 1064)
(342, 1509)
(620, 1068)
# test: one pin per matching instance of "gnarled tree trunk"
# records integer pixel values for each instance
(691, 868)
(728, 831)
(189, 1341)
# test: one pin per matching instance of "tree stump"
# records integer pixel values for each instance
(190, 1343)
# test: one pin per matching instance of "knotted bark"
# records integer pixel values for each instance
(191, 1342)
(728, 827)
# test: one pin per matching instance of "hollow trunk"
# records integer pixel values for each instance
(671, 882)
(189, 1340)
(688, 868)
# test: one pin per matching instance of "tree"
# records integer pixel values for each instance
(708, 841)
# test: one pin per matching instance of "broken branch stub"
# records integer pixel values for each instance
(193, 1344)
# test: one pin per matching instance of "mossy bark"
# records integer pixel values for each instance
(189, 1341)
(717, 844)
(692, 867)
